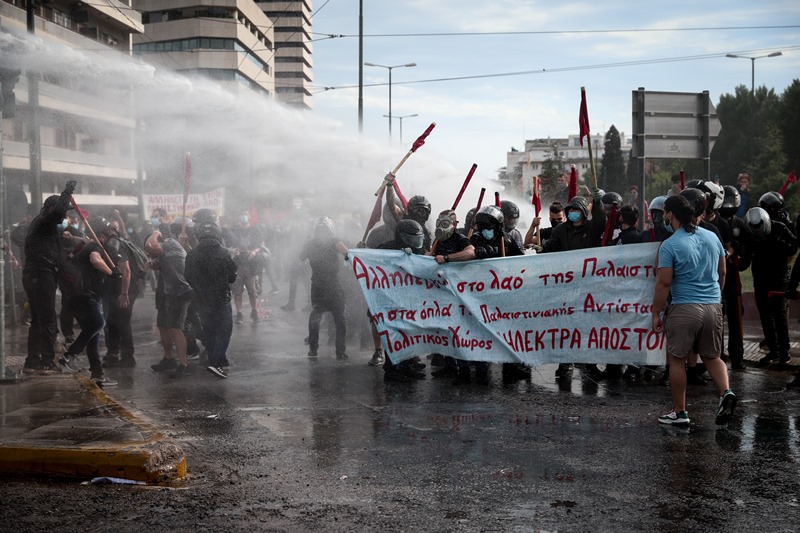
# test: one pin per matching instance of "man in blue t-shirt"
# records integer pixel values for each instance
(691, 267)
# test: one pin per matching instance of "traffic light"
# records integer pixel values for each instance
(8, 102)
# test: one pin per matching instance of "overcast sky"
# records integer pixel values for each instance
(479, 119)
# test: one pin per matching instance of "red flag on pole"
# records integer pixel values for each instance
(583, 118)
(399, 193)
(81, 213)
(789, 180)
(573, 184)
(536, 199)
(421, 139)
(376, 214)
(611, 224)
(497, 199)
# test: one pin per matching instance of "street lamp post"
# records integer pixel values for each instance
(401, 123)
(753, 66)
(390, 68)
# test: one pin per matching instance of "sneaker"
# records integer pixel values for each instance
(767, 359)
(179, 372)
(218, 371)
(165, 364)
(125, 362)
(727, 405)
(794, 383)
(239, 318)
(288, 307)
(738, 364)
(312, 352)
(341, 356)
(590, 371)
(564, 369)
(32, 366)
(674, 419)
(68, 364)
(110, 358)
(193, 356)
(784, 359)
(104, 381)
(631, 373)
(254, 315)
(516, 371)
(377, 359)
(613, 372)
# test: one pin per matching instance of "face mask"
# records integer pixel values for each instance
(444, 228)
(658, 217)
(63, 225)
(244, 219)
(488, 234)
(554, 223)
(156, 222)
(574, 216)
(668, 227)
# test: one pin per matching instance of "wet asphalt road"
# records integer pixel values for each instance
(290, 443)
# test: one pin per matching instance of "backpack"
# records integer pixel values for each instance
(137, 259)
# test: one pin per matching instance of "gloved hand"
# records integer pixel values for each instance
(408, 251)
(597, 194)
(70, 188)
(537, 248)
(361, 244)
(116, 273)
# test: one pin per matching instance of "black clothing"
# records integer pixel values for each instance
(210, 270)
(41, 290)
(485, 249)
(93, 281)
(628, 236)
(732, 294)
(544, 234)
(567, 236)
(723, 228)
(42, 239)
(456, 243)
(326, 289)
(516, 236)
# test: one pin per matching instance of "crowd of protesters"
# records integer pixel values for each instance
(199, 267)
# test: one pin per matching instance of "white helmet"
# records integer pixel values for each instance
(715, 194)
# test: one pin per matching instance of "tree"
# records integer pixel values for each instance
(612, 165)
(552, 168)
(789, 124)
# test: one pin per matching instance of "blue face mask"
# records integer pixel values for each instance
(62, 226)
(488, 234)
(244, 219)
(156, 222)
(668, 227)
(75, 226)
(574, 216)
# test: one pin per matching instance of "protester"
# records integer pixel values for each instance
(173, 295)
(743, 186)
(732, 292)
(511, 218)
(538, 237)
(39, 280)
(324, 252)
(210, 271)
(691, 269)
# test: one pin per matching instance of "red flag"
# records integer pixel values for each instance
(464, 186)
(497, 199)
(791, 179)
(480, 199)
(611, 224)
(421, 139)
(399, 194)
(573, 184)
(187, 178)
(583, 117)
(376, 214)
(683, 179)
(536, 199)
(81, 213)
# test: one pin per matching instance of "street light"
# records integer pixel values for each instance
(753, 64)
(401, 123)
(389, 68)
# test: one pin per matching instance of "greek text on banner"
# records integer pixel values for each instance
(585, 306)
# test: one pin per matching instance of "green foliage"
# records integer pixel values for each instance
(789, 124)
(612, 165)
(552, 168)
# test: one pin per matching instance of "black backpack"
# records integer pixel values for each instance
(137, 260)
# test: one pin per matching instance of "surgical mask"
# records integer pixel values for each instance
(554, 222)
(444, 228)
(62, 225)
(668, 227)
(75, 226)
(574, 216)
(488, 234)
(156, 222)
(244, 219)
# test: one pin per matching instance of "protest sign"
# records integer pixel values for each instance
(585, 306)
(173, 203)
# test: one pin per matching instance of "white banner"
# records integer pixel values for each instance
(173, 203)
(586, 306)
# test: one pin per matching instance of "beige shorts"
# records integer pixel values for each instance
(694, 328)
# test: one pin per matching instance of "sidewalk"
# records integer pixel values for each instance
(64, 425)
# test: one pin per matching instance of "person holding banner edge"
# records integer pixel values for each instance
(691, 268)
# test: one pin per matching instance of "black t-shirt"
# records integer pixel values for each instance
(324, 258)
(724, 229)
(456, 243)
(92, 279)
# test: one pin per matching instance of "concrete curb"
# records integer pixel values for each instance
(153, 459)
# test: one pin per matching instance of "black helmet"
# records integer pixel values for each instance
(176, 225)
(611, 198)
(323, 227)
(629, 215)
(693, 184)
(697, 199)
(409, 233)
(771, 200)
(489, 217)
(419, 206)
(758, 222)
(731, 201)
(714, 194)
(510, 213)
(205, 214)
(208, 230)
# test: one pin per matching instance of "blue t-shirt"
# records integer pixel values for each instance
(694, 259)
